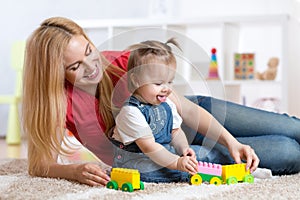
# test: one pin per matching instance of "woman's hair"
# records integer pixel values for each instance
(44, 103)
(149, 52)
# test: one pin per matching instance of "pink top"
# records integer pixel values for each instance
(83, 118)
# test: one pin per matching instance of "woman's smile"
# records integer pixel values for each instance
(92, 75)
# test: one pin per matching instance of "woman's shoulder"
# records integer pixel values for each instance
(118, 58)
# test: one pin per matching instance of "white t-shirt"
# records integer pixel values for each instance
(131, 124)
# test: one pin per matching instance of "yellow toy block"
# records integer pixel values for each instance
(126, 179)
(234, 173)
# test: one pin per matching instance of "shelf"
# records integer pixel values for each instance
(253, 82)
(104, 23)
(264, 35)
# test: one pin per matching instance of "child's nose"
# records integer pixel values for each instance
(167, 88)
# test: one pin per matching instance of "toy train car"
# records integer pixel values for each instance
(126, 179)
(221, 174)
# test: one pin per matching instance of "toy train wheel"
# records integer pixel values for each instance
(112, 185)
(196, 179)
(127, 187)
(231, 180)
(215, 181)
(142, 186)
(249, 178)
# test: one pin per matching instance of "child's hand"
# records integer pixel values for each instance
(187, 164)
(189, 152)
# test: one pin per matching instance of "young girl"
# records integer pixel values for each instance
(148, 135)
(67, 84)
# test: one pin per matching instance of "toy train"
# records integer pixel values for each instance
(127, 180)
(221, 174)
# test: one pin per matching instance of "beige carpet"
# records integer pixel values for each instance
(16, 184)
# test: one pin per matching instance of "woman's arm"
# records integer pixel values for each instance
(87, 173)
(203, 122)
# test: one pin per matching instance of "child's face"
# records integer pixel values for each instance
(155, 83)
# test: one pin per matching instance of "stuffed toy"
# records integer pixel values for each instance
(271, 72)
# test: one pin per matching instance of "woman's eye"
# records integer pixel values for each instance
(89, 51)
(75, 67)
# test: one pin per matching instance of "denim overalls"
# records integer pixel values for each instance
(160, 120)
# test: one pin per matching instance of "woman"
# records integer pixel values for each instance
(68, 84)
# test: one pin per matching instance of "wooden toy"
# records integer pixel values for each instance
(244, 66)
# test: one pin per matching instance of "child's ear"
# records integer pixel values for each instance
(134, 80)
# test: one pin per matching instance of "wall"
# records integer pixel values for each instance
(19, 18)
(294, 62)
(234, 7)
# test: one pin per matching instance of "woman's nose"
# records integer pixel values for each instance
(88, 63)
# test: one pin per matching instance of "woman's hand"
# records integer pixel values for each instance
(91, 174)
(240, 151)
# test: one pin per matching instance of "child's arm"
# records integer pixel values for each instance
(179, 140)
(180, 143)
(158, 154)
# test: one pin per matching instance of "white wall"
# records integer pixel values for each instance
(19, 18)
(234, 7)
(294, 60)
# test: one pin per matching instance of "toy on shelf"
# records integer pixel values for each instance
(244, 66)
(271, 72)
(221, 174)
(213, 66)
(126, 179)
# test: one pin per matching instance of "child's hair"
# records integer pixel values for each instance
(149, 52)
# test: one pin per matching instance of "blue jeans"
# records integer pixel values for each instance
(149, 170)
(274, 137)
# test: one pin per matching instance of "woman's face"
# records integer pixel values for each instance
(82, 63)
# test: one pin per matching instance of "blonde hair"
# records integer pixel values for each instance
(44, 103)
(147, 52)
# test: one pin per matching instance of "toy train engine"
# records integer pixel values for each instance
(217, 174)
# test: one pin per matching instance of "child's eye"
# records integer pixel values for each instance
(158, 84)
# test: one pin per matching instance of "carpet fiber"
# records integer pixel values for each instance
(16, 184)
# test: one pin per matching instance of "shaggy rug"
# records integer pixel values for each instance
(16, 184)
